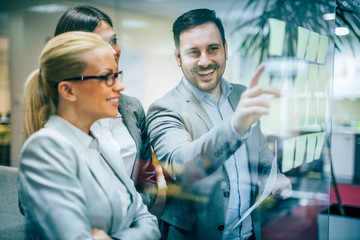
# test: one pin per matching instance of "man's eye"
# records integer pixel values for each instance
(191, 52)
(213, 49)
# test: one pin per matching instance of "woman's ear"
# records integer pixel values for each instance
(66, 91)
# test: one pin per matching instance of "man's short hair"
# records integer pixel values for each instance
(194, 18)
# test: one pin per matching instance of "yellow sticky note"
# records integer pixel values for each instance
(274, 115)
(319, 145)
(312, 47)
(302, 41)
(323, 47)
(312, 108)
(277, 37)
(313, 77)
(310, 147)
(300, 150)
(322, 79)
(300, 111)
(321, 110)
(288, 155)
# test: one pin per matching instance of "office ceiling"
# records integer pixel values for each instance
(171, 9)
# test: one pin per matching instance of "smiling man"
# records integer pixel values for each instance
(207, 136)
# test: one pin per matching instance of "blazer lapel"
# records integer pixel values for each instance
(235, 95)
(195, 104)
(119, 170)
(129, 119)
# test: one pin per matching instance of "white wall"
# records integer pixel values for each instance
(147, 56)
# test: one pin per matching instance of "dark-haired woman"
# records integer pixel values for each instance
(127, 130)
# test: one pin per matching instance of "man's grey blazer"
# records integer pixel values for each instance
(143, 174)
(192, 152)
(64, 194)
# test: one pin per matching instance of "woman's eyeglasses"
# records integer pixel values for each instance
(109, 78)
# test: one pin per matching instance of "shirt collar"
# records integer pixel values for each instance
(200, 95)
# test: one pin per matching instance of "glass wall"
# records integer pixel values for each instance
(295, 41)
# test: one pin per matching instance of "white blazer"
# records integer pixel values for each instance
(63, 192)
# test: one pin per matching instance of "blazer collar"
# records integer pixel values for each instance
(67, 129)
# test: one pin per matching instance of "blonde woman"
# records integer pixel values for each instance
(71, 186)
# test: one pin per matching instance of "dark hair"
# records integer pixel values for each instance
(194, 18)
(81, 18)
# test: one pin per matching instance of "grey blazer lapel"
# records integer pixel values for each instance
(129, 119)
(235, 95)
(195, 104)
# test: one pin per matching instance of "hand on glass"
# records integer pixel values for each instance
(282, 188)
(253, 104)
(98, 234)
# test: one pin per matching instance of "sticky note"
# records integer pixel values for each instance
(310, 147)
(321, 110)
(312, 108)
(312, 47)
(300, 150)
(300, 111)
(302, 41)
(313, 77)
(319, 145)
(322, 79)
(274, 115)
(277, 37)
(288, 155)
(322, 50)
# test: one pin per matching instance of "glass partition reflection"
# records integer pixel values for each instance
(294, 39)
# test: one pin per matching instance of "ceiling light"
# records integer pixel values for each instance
(341, 31)
(48, 8)
(329, 16)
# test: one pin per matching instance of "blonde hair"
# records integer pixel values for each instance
(62, 57)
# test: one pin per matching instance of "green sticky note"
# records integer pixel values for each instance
(319, 145)
(321, 110)
(313, 77)
(312, 47)
(300, 150)
(322, 79)
(310, 147)
(288, 155)
(277, 37)
(290, 114)
(300, 111)
(274, 115)
(323, 47)
(302, 41)
(312, 108)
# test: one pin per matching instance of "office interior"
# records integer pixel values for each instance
(150, 70)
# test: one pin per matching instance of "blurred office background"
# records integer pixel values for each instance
(150, 70)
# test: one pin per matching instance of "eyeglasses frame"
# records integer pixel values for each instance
(104, 77)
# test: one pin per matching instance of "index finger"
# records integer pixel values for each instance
(256, 77)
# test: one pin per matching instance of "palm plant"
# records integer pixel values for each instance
(305, 13)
